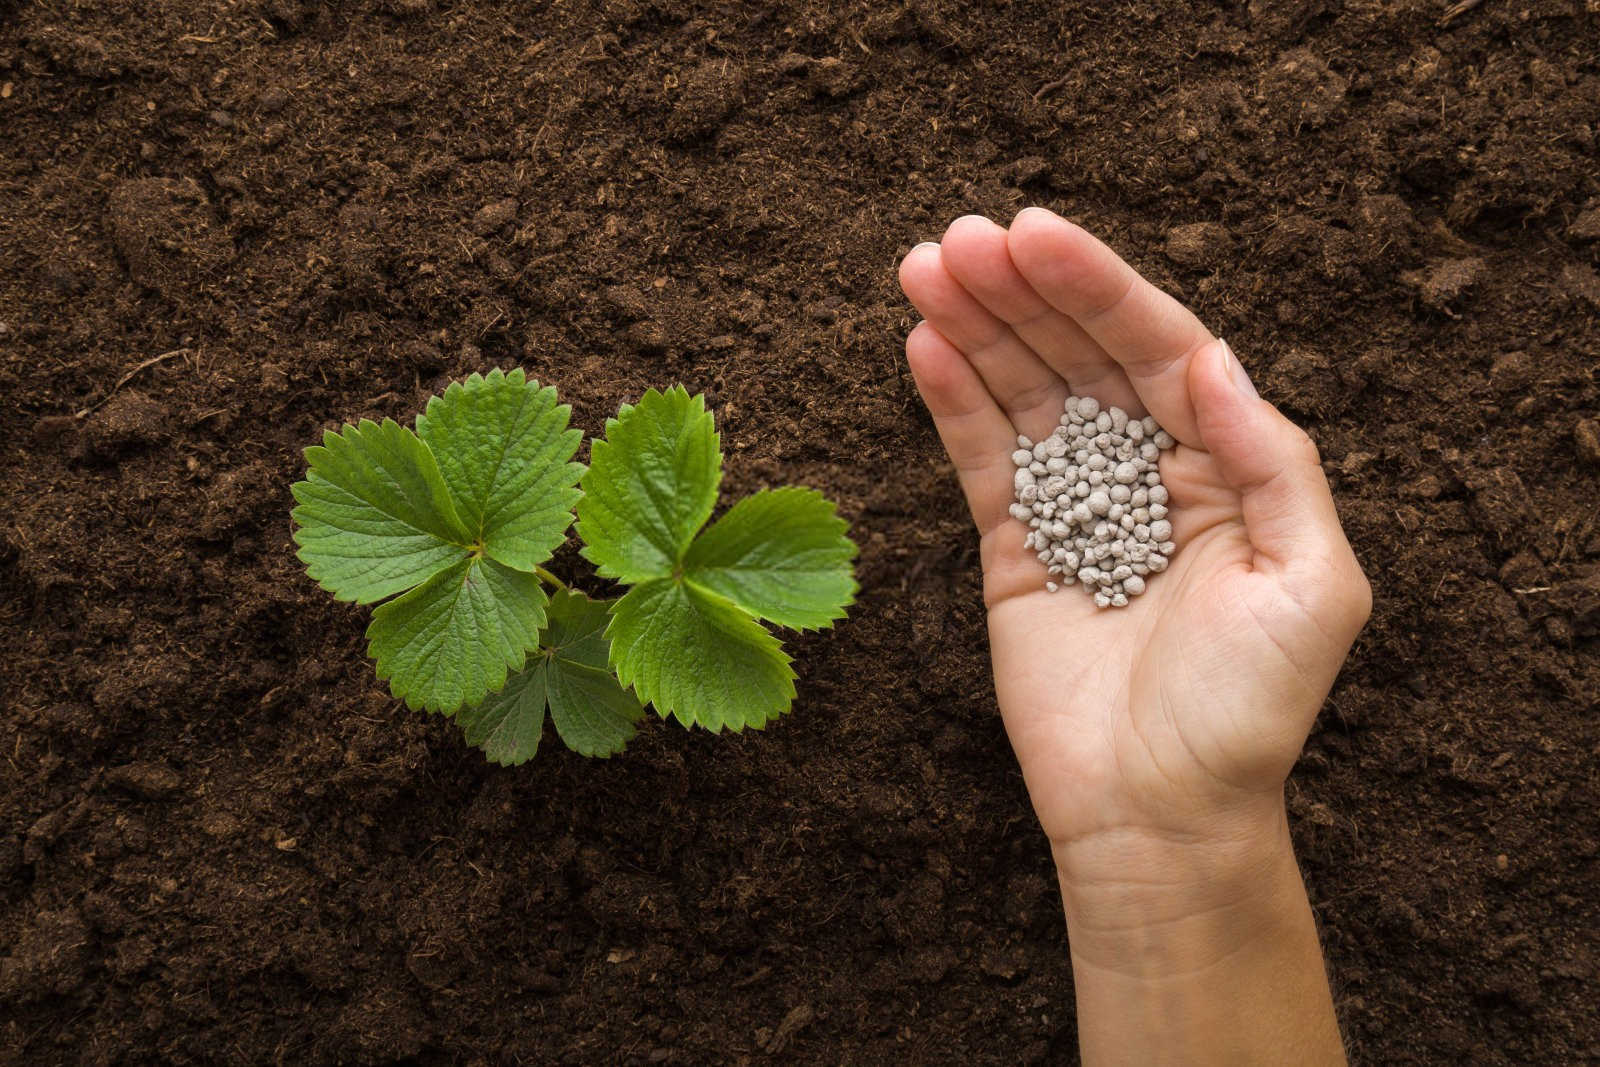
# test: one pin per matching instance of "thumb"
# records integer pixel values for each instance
(1276, 470)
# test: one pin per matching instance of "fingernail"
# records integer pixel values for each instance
(926, 244)
(1236, 375)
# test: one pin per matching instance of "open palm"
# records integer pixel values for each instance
(1193, 701)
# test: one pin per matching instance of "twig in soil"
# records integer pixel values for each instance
(1048, 87)
(1456, 10)
(126, 378)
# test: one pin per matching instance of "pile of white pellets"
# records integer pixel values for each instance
(1092, 493)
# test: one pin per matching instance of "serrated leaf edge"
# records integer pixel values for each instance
(688, 719)
(313, 453)
(599, 446)
(385, 671)
(844, 528)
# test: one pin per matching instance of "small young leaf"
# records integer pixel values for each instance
(450, 641)
(650, 486)
(594, 715)
(507, 725)
(504, 450)
(780, 554)
(695, 655)
(592, 712)
(374, 515)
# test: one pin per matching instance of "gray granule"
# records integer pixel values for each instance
(1092, 493)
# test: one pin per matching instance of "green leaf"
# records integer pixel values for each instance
(686, 636)
(780, 554)
(460, 513)
(374, 515)
(507, 725)
(451, 641)
(570, 675)
(695, 655)
(504, 450)
(650, 486)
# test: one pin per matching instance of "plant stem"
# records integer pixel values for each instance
(552, 579)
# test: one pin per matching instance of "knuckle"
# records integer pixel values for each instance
(1337, 593)
(1347, 597)
(1305, 449)
(1103, 303)
(1361, 597)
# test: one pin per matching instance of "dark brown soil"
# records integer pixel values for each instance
(220, 841)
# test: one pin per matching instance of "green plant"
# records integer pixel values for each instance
(447, 529)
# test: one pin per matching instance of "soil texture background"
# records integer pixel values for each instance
(222, 842)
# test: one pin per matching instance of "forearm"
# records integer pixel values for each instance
(1196, 952)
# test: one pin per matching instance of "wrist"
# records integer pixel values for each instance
(1158, 901)
(1197, 948)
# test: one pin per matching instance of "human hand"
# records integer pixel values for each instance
(1173, 721)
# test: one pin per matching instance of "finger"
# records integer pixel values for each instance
(976, 434)
(975, 254)
(1274, 466)
(1149, 333)
(1027, 390)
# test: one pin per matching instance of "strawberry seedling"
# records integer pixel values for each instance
(448, 528)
